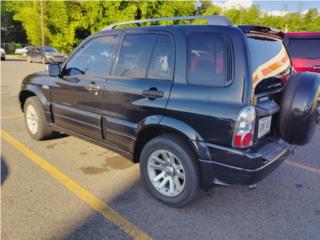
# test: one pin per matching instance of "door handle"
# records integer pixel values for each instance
(93, 87)
(152, 93)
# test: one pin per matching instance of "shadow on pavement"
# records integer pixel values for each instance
(4, 170)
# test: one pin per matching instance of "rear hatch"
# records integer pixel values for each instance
(270, 69)
(304, 51)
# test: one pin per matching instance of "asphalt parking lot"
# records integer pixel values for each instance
(66, 188)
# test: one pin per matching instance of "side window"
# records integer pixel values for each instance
(161, 65)
(135, 55)
(206, 59)
(94, 58)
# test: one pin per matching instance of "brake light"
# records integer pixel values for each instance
(244, 128)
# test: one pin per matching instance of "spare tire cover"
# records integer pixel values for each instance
(298, 112)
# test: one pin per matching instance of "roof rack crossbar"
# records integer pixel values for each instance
(212, 20)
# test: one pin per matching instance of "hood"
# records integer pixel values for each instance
(54, 54)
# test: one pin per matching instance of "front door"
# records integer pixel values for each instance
(139, 86)
(77, 95)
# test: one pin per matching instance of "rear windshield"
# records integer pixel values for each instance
(268, 58)
(304, 48)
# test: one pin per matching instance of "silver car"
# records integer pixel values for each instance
(44, 54)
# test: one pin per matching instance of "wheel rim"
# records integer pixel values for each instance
(32, 119)
(166, 173)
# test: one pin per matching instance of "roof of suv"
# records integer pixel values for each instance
(214, 20)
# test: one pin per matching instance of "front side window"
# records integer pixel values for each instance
(135, 55)
(94, 58)
(161, 65)
(206, 59)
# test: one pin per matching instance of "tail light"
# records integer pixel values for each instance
(244, 128)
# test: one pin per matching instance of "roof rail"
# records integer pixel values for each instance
(212, 20)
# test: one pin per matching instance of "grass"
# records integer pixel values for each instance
(14, 56)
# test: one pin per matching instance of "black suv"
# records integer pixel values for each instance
(195, 105)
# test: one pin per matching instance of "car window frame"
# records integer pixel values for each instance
(139, 32)
(173, 57)
(228, 46)
(83, 44)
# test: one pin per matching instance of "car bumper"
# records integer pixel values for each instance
(250, 166)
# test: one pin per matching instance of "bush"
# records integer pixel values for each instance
(11, 47)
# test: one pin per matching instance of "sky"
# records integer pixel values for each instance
(275, 5)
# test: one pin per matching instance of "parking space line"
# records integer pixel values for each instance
(78, 190)
(11, 116)
(304, 167)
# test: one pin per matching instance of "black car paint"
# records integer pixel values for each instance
(119, 113)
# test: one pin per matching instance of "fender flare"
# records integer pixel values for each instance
(180, 127)
(34, 90)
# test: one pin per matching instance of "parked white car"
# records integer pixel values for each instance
(3, 54)
(22, 50)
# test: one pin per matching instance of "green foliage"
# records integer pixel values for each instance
(67, 23)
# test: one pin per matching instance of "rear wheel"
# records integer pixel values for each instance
(169, 170)
(35, 119)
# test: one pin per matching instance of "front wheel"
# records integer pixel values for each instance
(35, 119)
(169, 170)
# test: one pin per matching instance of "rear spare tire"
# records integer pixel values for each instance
(299, 114)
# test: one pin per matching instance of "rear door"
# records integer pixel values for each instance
(140, 85)
(304, 53)
(77, 96)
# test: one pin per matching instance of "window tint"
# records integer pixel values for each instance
(268, 58)
(94, 58)
(304, 48)
(161, 66)
(134, 55)
(206, 59)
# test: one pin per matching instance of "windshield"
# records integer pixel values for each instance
(304, 48)
(49, 49)
(268, 57)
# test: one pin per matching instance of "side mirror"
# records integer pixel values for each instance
(54, 69)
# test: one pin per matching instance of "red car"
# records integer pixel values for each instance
(304, 50)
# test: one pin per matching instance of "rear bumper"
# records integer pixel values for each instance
(249, 166)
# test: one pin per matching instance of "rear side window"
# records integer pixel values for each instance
(268, 58)
(206, 59)
(135, 55)
(94, 58)
(161, 65)
(304, 48)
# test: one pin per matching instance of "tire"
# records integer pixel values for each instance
(33, 113)
(299, 114)
(185, 191)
